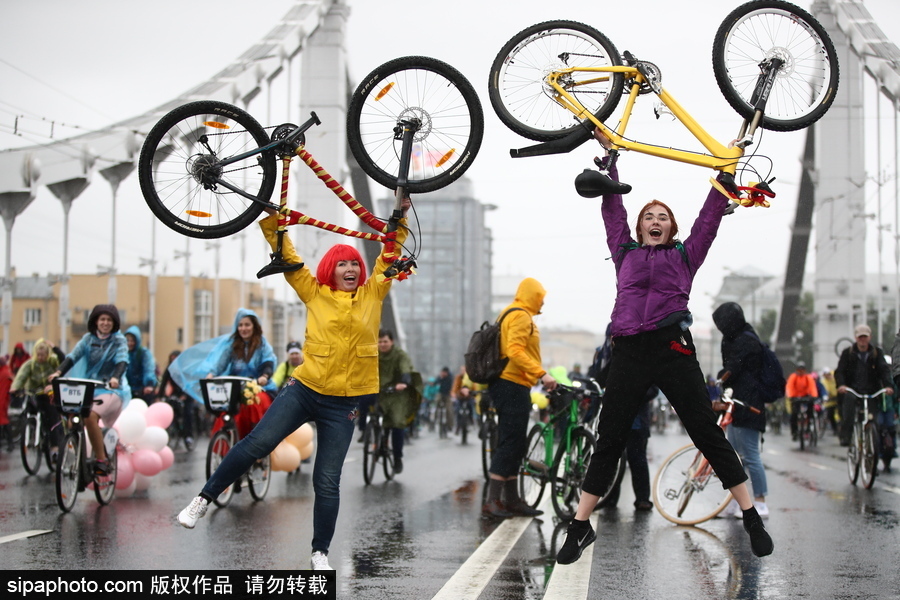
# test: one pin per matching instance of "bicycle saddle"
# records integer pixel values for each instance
(278, 266)
(590, 184)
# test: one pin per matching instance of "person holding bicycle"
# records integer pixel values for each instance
(398, 399)
(801, 390)
(652, 345)
(862, 367)
(340, 368)
(34, 378)
(520, 343)
(102, 353)
(742, 364)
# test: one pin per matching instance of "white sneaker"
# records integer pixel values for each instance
(732, 509)
(319, 562)
(193, 513)
(762, 509)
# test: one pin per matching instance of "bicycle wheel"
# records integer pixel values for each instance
(868, 466)
(854, 454)
(488, 443)
(805, 86)
(415, 87)
(219, 445)
(184, 181)
(523, 100)
(371, 450)
(534, 471)
(30, 444)
(464, 427)
(609, 494)
(804, 431)
(568, 471)
(441, 418)
(258, 477)
(387, 455)
(686, 490)
(105, 486)
(68, 471)
(813, 432)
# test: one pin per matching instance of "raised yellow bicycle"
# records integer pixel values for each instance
(555, 82)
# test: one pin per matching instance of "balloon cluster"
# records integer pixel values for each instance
(296, 447)
(143, 450)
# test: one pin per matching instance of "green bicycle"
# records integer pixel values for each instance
(565, 469)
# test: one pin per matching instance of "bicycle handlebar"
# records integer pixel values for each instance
(865, 396)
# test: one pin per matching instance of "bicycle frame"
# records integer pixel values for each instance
(721, 158)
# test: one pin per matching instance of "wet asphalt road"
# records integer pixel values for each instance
(412, 537)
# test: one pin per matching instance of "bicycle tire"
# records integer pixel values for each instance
(683, 499)
(868, 466)
(488, 444)
(171, 169)
(30, 445)
(813, 432)
(464, 428)
(259, 476)
(804, 430)
(45, 447)
(427, 89)
(219, 446)
(68, 471)
(854, 454)
(387, 456)
(611, 491)
(371, 446)
(534, 471)
(805, 87)
(520, 97)
(441, 418)
(105, 485)
(567, 473)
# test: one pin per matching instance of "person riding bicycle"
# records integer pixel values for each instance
(243, 353)
(462, 391)
(102, 353)
(294, 359)
(340, 368)
(520, 343)
(399, 397)
(863, 368)
(652, 345)
(169, 389)
(801, 390)
(141, 370)
(34, 378)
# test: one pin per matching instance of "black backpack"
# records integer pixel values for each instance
(771, 379)
(483, 362)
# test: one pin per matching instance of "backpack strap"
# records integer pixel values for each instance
(500, 320)
(623, 248)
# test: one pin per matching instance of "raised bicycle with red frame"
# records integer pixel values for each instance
(208, 169)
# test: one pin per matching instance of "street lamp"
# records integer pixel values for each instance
(186, 255)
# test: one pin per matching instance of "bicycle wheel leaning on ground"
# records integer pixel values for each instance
(568, 471)
(30, 444)
(686, 490)
(183, 178)
(418, 88)
(68, 471)
(371, 450)
(259, 476)
(534, 472)
(868, 465)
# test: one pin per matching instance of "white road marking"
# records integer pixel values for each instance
(23, 534)
(820, 467)
(473, 576)
(570, 582)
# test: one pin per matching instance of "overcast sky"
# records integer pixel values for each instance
(83, 65)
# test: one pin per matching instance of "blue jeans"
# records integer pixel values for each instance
(295, 405)
(746, 444)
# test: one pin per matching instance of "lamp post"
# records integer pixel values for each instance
(186, 255)
(215, 246)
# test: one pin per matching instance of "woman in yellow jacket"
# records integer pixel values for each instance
(340, 368)
(510, 394)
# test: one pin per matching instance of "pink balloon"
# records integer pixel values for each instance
(124, 471)
(159, 414)
(147, 462)
(167, 456)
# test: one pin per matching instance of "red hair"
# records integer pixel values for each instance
(337, 253)
(672, 233)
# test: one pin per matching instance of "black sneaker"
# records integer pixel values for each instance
(579, 536)
(398, 466)
(760, 540)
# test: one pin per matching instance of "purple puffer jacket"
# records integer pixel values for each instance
(654, 282)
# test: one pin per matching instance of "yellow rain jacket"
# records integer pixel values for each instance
(520, 340)
(340, 351)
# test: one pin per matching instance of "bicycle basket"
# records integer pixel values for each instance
(16, 404)
(74, 396)
(223, 394)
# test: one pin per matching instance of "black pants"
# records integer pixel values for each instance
(666, 358)
(512, 402)
(797, 404)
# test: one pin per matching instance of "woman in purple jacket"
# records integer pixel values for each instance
(652, 345)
